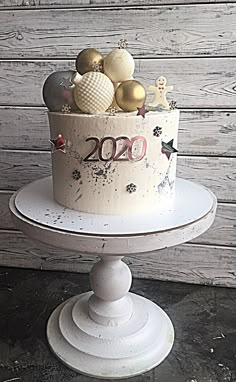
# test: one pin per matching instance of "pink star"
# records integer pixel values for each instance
(142, 111)
(58, 144)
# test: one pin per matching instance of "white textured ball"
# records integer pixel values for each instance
(94, 93)
(119, 65)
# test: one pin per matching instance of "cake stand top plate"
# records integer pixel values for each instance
(37, 214)
(35, 201)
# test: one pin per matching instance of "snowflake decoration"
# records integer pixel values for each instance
(173, 105)
(112, 110)
(123, 43)
(66, 109)
(157, 131)
(131, 188)
(97, 67)
(76, 174)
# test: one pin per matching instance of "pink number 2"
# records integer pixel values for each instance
(130, 149)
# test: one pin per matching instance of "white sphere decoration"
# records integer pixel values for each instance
(119, 65)
(94, 93)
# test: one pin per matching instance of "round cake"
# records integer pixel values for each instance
(112, 152)
(114, 164)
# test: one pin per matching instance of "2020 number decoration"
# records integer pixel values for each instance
(117, 151)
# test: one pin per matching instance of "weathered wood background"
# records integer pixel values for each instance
(193, 43)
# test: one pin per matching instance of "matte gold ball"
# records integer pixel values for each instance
(89, 60)
(130, 95)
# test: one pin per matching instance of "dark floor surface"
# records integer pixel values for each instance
(204, 319)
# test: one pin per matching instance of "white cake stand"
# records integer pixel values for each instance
(110, 333)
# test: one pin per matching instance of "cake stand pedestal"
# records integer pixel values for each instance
(109, 332)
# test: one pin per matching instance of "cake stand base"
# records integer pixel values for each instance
(109, 332)
(131, 348)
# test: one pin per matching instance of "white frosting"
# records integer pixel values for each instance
(102, 186)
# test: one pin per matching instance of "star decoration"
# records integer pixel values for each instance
(122, 43)
(131, 188)
(173, 105)
(58, 144)
(168, 149)
(66, 109)
(66, 83)
(142, 111)
(76, 174)
(157, 131)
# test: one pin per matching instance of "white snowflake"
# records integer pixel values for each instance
(112, 110)
(66, 109)
(123, 43)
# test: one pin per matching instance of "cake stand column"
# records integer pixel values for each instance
(110, 280)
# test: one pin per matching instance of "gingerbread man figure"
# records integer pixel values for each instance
(160, 91)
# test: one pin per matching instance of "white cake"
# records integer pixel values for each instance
(91, 174)
(112, 152)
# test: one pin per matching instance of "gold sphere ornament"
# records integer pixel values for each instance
(130, 95)
(119, 65)
(94, 93)
(89, 60)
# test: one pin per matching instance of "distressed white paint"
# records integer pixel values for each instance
(201, 132)
(198, 83)
(207, 82)
(151, 31)
(37, 4)
(110, 333)
(191, 263)
(19, 167)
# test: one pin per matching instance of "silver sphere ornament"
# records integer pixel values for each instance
(58, 90)
(94, 93)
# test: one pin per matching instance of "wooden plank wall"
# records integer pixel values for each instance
(192, 43)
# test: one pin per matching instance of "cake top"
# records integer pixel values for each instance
(104, 85)
(118, 114)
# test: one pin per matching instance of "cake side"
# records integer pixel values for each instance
(122, 164)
